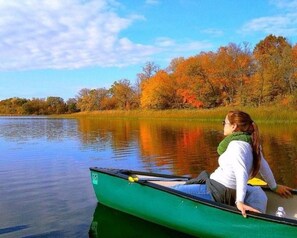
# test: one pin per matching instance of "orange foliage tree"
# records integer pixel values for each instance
(233, 75)
(159, 92)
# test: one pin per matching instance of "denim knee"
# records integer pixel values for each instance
(256, 198)
(198, 190)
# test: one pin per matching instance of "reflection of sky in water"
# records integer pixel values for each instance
(23, 129)
(45, 181)
(44, 164)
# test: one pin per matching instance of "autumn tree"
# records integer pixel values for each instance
(124, 94)
(148, 71)
(233, 66)
(195, 85)
(159, 92)
(275, 70)
(92, 99)
(71, 105)
(35, 106)
(55, 105)
(174, 64)
(13, 106)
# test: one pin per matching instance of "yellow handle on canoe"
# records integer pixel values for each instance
(257, 182)
(132, 179)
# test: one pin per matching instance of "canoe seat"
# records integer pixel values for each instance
(167, 183)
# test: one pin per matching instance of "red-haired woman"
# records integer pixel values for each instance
(240, 158)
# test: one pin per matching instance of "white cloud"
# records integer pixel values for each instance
(39, 34)
(70, 34)
(285, 23)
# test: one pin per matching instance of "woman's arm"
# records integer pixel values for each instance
(267, 175)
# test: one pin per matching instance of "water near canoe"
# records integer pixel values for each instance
(44, 165)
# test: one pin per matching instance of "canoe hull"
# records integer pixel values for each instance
(192, 216)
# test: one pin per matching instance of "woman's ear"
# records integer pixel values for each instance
(234, 127)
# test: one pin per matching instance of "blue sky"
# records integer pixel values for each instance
(56, 48)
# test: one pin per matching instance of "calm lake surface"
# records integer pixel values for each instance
(45, 187)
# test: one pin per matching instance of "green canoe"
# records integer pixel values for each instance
(149, 196)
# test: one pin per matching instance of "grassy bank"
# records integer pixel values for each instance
(263, 115)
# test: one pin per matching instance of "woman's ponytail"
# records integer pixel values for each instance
(256, 149)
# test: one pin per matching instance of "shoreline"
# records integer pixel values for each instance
(266, 115)
(262, 115)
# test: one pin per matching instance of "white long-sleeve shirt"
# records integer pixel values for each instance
(235, 168)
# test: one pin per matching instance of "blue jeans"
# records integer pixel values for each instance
(197, 190)
(256, 198)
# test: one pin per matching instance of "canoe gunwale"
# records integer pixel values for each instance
(124, 174)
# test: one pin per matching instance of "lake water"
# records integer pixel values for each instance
(45, 187)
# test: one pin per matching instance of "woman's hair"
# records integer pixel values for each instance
(246, 124)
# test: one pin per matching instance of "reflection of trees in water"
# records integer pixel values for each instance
(280, 149)
(183, 146)
(26, 128)
(119, 134)
(187, 147)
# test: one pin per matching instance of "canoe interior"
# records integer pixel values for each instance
(274, 200)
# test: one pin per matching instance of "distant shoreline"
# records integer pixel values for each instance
(263, 115)
(259, 114)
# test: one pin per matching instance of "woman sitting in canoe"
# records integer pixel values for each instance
(240, 158)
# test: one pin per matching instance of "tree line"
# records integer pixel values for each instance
(233, 75)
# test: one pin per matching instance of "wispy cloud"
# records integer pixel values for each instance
(170, 48)
(290, 5)
(65, 34)
(213, 32)
(284, 23)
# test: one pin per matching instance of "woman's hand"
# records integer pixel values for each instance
(243, 208)
(283, 191)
